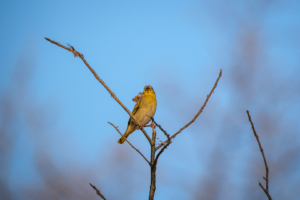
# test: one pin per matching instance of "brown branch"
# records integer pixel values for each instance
(160, 152)
(165, 132)
(160, 127)
(98, 192)
(266, 190)
(154, 159)
(152, 166)
(168, 141)
(199, 112)
(76, 53)
(129, 142)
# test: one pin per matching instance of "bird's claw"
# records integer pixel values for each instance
(140, 127)
(152, 125)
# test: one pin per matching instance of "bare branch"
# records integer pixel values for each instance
(160, 152)
(129, 142)
(266, 190)
(199, 112)
(153, 166)
(98, 192)
(76, 53)
(159, 126)
(168, 141)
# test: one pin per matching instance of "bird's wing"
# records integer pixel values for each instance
(135, 109)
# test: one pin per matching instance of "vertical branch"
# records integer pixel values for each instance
(154, 159)
(266, 190)
(153, 166)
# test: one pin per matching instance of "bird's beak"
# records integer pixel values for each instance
(147, 88)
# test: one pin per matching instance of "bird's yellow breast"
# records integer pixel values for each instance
(146, 109)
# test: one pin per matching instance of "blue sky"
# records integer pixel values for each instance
(55, 113)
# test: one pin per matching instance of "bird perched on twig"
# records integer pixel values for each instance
(143, 110)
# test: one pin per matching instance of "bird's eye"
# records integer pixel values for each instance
(147, 88)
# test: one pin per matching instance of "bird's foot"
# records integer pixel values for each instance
(140, 127)
(152, 125)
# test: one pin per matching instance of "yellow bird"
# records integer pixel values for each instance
(145, 107)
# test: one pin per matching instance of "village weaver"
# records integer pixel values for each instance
(143, 110)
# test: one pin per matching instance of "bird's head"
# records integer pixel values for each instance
(148, 90)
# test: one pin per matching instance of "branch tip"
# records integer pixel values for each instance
(98, 191)
(199, 112)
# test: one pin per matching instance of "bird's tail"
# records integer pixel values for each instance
(129, 130)
(122, 139)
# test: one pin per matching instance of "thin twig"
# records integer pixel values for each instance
(159, 126)
(160, 152)
(166, 134)
(98, 192)
(266, 190)
(129, 142)
(168, 141)
(76, 53)
(199, 112)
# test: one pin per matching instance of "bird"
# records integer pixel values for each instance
(143, 111)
